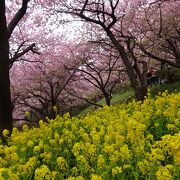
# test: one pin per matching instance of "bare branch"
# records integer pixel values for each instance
(19, 54)
(18, 16)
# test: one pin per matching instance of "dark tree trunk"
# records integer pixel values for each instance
(140, 90)
(108, 101)
(135, 82)
(107, 98)
(5, 97)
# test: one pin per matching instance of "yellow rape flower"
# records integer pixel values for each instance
(55, 108)
(125, 152)
(36, 149)
(42, 173)
(30, 143)
(25, 127)
(74, 171)
(163, 173)
(101, 161)
(27, 114)
(62, 164)
(144, 166)
(96, 177)
(117, 170)
(75, 178)
(6, 173)
(5, 132)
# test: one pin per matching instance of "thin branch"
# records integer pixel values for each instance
(18, 55)
(18, 16)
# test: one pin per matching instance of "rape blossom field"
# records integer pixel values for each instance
(128, 141)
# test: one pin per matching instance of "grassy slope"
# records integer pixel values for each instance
(119, 98)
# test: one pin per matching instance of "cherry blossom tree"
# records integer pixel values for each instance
(21, 27)
(114, 19)
(101, 69)
(108, 15)
(39, 87)
(160, 31)
(7, 26)
(43, 96)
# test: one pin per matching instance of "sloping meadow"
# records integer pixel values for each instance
(128, 141)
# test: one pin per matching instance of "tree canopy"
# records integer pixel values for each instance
(59, 54)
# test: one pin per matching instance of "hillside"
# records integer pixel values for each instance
(128, 94)
(126, 141)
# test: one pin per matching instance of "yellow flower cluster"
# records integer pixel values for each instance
(139, 140)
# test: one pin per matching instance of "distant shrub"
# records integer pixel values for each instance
(169, 74)
(171, 87)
